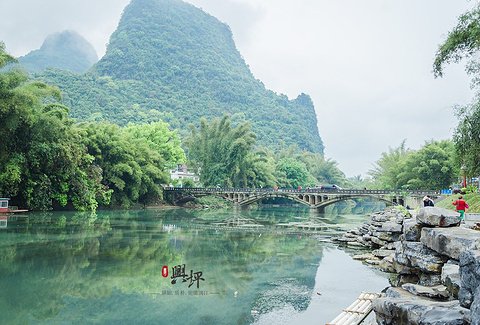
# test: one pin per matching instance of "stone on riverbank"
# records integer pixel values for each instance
(450, 241)
(437, 217)
(402, 307)
(451, 278)
(416, 255)
(470, 279)
(432, 258)
(411, 230)
(437, 291)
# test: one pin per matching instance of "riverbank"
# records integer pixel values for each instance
(435, 261)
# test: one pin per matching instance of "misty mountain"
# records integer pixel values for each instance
(66, 50)
(169, 60)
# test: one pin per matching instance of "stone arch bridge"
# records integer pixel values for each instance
(314, 198)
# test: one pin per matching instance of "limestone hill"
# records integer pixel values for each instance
(172, 61)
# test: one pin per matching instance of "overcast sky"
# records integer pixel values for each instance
(366, 64)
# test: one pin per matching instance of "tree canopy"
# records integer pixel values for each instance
(464, 42)
(49, 161)
(429, 168)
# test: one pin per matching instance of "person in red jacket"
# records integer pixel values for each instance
(461, 206)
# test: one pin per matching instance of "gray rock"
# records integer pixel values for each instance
(379, 242)
(451, 278)
(438, 291)
(383, 252)
(387, 236)
(450, 241)
(391, 227)
(416, 255)
(401, 307)
(437, 217)
(405, 278)
(470, 277)
(475, 308)
(379, 218)
(411, 230)
(429, 279)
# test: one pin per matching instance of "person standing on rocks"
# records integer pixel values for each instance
(461, 206)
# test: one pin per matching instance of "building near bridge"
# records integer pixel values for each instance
(182, 172)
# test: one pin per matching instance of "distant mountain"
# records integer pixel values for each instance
(172, 61)
(66, 50)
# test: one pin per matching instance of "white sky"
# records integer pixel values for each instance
(366, 64)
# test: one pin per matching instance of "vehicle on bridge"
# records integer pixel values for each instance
(328, 187)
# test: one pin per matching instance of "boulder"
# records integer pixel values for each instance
(414, 254)
(383, 252)
(411, 230)
(450, 241)
(429, 279)
(470, 278)
(391, 227)
(437, 217)
(451, 278)
(437, 291)
(386, 264)
(401, 307)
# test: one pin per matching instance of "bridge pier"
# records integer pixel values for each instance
(318, 210)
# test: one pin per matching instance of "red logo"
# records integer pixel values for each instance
(165, 271)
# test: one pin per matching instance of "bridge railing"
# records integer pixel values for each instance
(299, 191)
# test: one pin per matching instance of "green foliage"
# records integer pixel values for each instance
(41, 151)
(224, 153)
(47, 160)
(187, 182)
(386, 171)
(226, 156)
(296, 173)
(430, 168)
(134, 159)
(462, 41)
(170, 61)
(467, 138)
(470, 189)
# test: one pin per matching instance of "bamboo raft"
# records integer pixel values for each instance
(356, 312)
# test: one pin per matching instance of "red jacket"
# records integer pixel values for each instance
(461, 205)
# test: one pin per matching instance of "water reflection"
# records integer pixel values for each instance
(106, 267)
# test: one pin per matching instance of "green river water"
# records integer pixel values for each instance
(224, 267)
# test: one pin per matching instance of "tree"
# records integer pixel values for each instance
(131, 168)
(467, 138)
(296, 173)
(41, 152)
(387, 169)
(226, 155)
(462, 42)
(431, 167)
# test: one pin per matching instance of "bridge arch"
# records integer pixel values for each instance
(313, 198)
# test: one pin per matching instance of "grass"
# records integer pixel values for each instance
(472, 199)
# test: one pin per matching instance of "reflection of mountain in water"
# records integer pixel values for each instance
(96, 268)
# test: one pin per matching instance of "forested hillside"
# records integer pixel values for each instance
(66, 50)
(169, 60)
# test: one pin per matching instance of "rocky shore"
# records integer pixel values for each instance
(436, 262)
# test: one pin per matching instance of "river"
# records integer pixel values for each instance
(177, 266)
